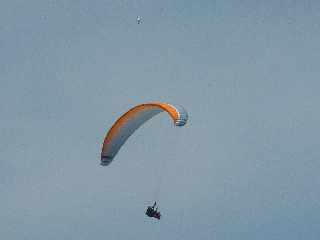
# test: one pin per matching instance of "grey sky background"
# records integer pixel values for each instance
(245, 167)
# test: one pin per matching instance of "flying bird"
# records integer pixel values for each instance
(139, 20)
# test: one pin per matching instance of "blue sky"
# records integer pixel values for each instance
(245, 167)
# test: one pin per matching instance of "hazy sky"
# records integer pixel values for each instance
(245, 167)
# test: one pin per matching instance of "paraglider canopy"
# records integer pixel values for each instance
(125, 126)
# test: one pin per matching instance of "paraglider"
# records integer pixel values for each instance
(126, 125)
(151, 212)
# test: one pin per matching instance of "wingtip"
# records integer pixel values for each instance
(105, 160)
